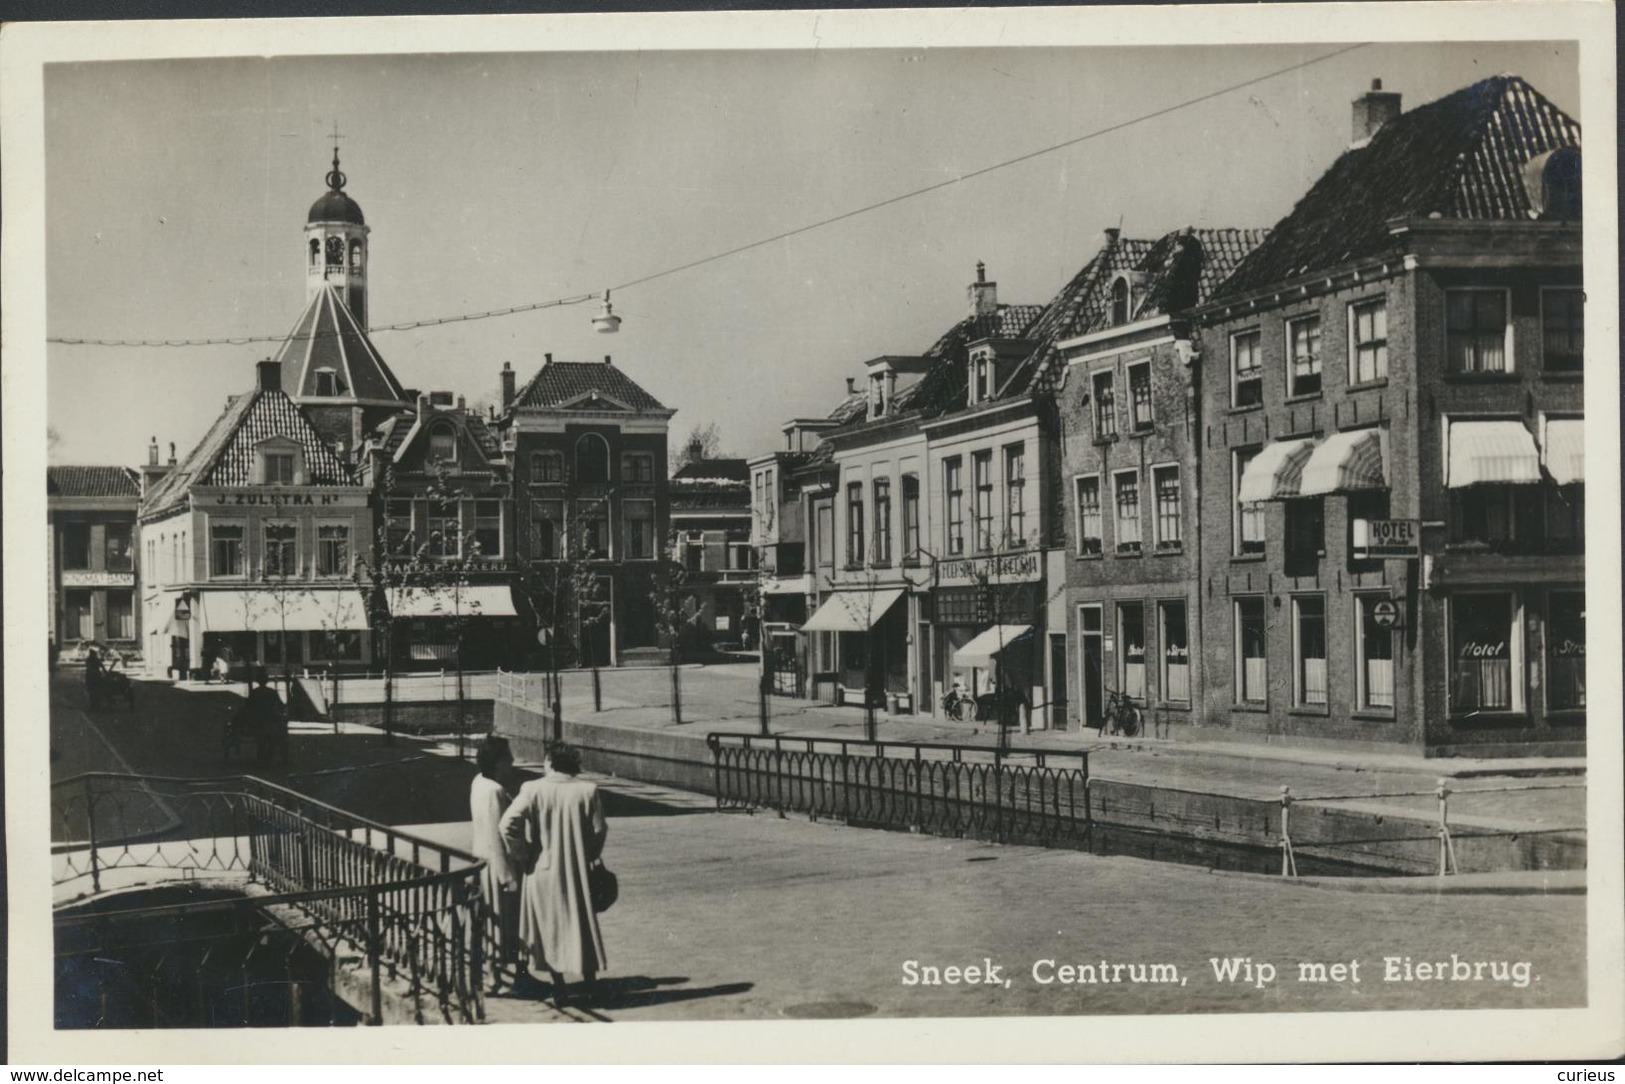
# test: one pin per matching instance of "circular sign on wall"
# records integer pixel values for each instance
(1385, 613)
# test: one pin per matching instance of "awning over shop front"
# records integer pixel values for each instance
(1347, 463)
(985, 646)
(853, 611)
(475, 600)
(1490, 451)
(1272, 475)
(316, 609)
(1564, 451)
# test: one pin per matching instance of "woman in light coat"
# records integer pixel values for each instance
(559, 819)
(488, 799)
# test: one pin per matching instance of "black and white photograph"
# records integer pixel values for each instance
(1005, 535)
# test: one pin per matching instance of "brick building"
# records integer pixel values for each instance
(1392, 477)
(711, 536)
(91, 514)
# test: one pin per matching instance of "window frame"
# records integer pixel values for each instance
(241, 526)
(1548, 684)
(1362, 679)
(1509, 362)
(854, 525)
(279, 456)
(1130, 371)
(1164, 543)
(1239, 678)
(1015, 495)
(631, 551)
(1103, 398)
(881, 493)
(953, 499)
(1300, 690)
(1545, 354)
(501, 518)
(551, 456)
(1379, 346)
(982, 500)
(1255, 377)
(1124, 546)
(1240, 514)
(1516, 651)
(1099, 538)
(643, 467)
(911, 517)
(1164, 682)
(1123, 608)
(1316, 359)
(322, 544)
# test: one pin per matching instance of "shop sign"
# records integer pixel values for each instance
(1007, 568)
(1387, 538)
(1480, 649)
(1388, 614)
(98, 579)
(1568, 648)
(279, 499)
(183, 609)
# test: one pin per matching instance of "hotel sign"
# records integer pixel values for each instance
(1008, 568)
(279, 499)
(98, 579)
(1375, 538)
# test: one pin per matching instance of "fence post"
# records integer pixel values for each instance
(1447, 846)
(1289, 861)
(375, 952)
(90, 816)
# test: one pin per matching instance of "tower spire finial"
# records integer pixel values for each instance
(336, 178)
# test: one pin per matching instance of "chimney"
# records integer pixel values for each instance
(607, 361)
(171, 453)
(696, 451)
(507, 385)
(1112, 234)
(547, 359)
(423, 406)
(270, 375)
(851, 385)
(462, 402)
(984, 295)
(1371, 111)
(152, 452)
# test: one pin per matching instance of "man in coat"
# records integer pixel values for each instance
(559, 820)
(267, 720)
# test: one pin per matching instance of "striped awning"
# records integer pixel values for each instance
(853, 611)
(1347, 463)
(1273, 474)
(987, 645)
(1564, 450)
(313, 609)
(1490, 451)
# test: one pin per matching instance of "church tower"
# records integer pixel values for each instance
(336, 245)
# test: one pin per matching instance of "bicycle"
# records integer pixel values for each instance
(959, 707)
(1121, 715)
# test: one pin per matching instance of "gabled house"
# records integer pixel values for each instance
(711, 534)
(91, 512)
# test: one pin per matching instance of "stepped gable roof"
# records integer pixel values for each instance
(714, 470)
(92, 482)
(558, 383)
(328, 336)
(1459, 157)
(225, 455)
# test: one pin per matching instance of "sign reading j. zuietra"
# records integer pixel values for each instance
(1007, 568)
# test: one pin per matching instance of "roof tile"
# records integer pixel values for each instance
(91, 482)
(560, 382)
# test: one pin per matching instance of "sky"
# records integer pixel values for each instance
(176, 195)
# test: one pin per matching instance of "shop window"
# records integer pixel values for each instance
(1251, 662)
(281, 550)
(120, 615)
(882, 521)
(854, 525)
(1170, 529)
(343, 645)
(1248, 518)
(1015, 496)
(592, 459)
(333, 549)
(1303, 348)
(1305, 535)
(1126, 497)
(1089, 516)
(1309, 651)
(639, 517)
(637, 467)
(76, 545)
(1139, 397)
(911, 517)
(982, 466)
(120, 552)
(1374, 662)
(546, 467)
(1368, 341)
(1483, 639)
(953, 486)
(1176, 652)
(1246, 369)
(284, 648)
(1105, 401)
(225, 549)
(79, 620)
(1565, 651)
(1562, 329)
(1476, 331)
(1131, 637)
(488, 529)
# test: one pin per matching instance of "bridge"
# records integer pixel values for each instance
(235, 901)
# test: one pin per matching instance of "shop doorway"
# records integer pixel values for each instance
(1091, 662)
(1057, 681)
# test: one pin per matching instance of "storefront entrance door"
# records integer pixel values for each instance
(1091, 657)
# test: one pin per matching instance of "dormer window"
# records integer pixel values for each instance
(1120, 302)
(443, 444)
(328, 382)
(877, 395)
(279, 468)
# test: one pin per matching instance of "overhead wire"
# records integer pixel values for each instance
(738, 249)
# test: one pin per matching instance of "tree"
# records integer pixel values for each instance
(667, 599)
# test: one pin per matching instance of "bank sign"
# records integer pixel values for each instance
(1009, 568)
(1387, 538)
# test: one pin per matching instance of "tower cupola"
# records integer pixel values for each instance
(336, 244)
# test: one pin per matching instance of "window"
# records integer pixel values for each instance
(637, 467)
(78, 618)
(333, 549)
(335, 252)
(76, 545)
(225, 549)
(854, 525)
(1131, 635)
(1251, 665)
(1139, 397)
(120, 555)
(315, 251)
(592, 459)
(1374, 646)
(1562, 329)
(1249, 518)
(1476, 331)
(1089, 517)
(546, 525)
(982, 368)
(877, 395)
(694, 552)
(824, 515)
(281, 549)
(953, 486)
(1305, 535)
(741, 557)
(279, 468)
(443, 444)
(274, 648)
(1483, 644)
(342, 645)
(592, 529)
(1565, 518)
(1120, 302)
(1309, 651)
(1126, 490)
(911, 517)
(1246, 369)
(327, 382)
(1303, 350)
(639, 518)
(488, 528)
(546, 467)
(120, 616)
(1165, 482)
(398, 527)
(1015, 495)
(444, 530)
(1176, 653)
(982, 466)
(1565, 650)
(882, 521)
(1503, 518)
(1368, 332)
(1105, 407)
